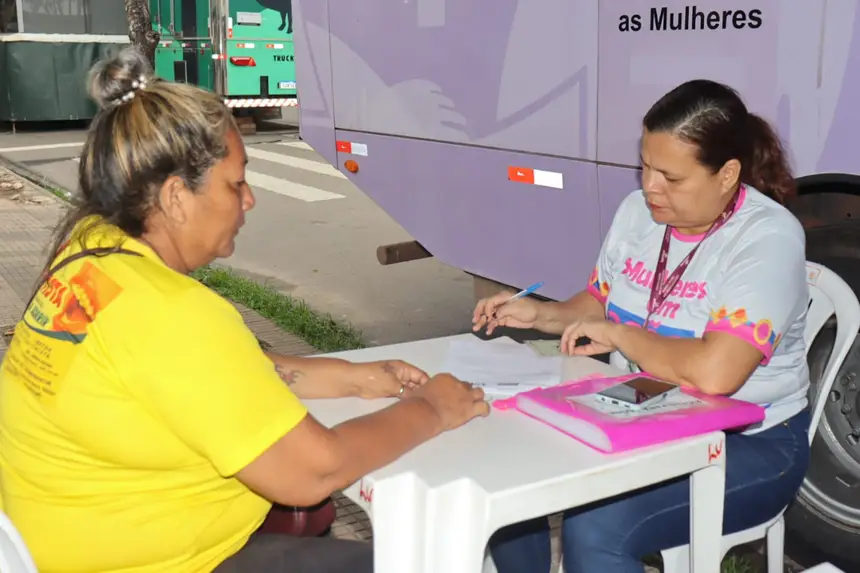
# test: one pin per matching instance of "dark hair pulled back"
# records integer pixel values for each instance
(712, 116)
(146, 131)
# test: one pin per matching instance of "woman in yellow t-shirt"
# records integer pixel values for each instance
(142, 428)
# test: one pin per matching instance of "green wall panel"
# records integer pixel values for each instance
(47, 81)
(4, 85)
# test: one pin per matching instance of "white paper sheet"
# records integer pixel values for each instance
(501, 367)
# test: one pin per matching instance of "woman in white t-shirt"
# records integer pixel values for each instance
(727, 318)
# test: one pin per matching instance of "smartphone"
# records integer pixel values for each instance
(639, 392)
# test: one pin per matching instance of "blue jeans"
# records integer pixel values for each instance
(763, 474)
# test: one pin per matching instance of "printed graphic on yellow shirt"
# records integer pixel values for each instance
(55, 324)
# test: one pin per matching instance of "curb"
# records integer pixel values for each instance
(43, 182)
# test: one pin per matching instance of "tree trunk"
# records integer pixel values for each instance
(140, 31)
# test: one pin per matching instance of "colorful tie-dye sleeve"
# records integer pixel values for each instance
(762, 292)
(598, 288)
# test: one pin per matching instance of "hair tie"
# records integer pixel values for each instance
(138, 84)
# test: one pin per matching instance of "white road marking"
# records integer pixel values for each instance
(284, 187)
(296, 144)
(295, 162)
(38, 147)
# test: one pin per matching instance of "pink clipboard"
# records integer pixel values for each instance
(694, 413)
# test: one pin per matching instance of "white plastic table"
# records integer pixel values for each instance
(434, 509)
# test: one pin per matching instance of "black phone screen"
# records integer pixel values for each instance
(638, 390)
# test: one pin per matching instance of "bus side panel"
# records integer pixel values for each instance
(641, 59)
(794, 68)
(615, 183)
(507, 74)
(835, 148)
(313, 73)
(495, 213)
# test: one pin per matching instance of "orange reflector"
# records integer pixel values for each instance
(351, 166)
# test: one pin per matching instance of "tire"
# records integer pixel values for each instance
(825, 517)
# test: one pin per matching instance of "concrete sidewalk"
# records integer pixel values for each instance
(27, 219)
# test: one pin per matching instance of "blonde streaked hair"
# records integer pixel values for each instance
(147, 130)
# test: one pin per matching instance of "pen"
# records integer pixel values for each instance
(524, 292)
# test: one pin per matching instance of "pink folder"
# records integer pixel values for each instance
(571, 408)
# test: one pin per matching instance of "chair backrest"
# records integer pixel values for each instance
(14, 555)
(829, 295)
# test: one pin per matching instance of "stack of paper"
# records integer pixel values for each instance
(501, 367)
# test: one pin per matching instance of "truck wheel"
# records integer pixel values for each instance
(826, 513)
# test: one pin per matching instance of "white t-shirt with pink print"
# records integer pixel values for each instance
(748, 279)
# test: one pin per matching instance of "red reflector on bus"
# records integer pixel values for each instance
(243, 61)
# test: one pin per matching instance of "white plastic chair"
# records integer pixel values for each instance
(828, 295)
(14, 555)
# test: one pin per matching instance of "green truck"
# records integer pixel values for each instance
(241, 49)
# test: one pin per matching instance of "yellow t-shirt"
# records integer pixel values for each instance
(129, 397)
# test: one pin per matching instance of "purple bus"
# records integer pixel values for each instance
(502, 135)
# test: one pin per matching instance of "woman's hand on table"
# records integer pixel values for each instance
(598, 331)
(454, 401)
(386, 378)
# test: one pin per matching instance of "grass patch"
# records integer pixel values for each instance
(61, 193)
(293, 315)
(733, 563)
(738, 564)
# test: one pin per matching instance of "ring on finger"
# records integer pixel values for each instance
(402, 389)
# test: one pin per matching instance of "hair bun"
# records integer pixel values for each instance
(112, 80)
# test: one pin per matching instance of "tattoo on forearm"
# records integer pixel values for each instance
(288, 376)
(388, 368)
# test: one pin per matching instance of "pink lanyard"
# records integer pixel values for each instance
(661, 289)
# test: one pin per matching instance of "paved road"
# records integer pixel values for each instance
(313, 235)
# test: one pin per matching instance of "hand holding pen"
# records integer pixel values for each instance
(514, 310)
